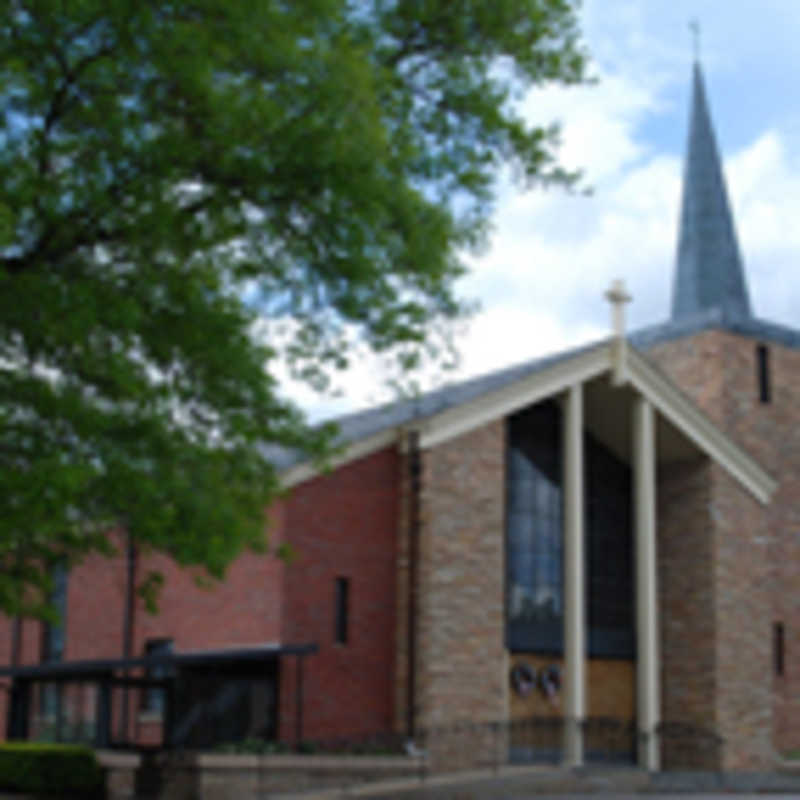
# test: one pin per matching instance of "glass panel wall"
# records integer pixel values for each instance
(534, 540)
(534, 524)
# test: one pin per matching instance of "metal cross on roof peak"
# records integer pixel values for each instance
(618, 296)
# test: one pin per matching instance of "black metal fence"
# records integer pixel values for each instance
(101, 713)
(534, 740)
(688, 746)
(131, 713)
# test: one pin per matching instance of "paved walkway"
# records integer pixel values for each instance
(522, 783)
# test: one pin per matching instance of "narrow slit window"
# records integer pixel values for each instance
(342, 600)
(762, 369)
(778, 647)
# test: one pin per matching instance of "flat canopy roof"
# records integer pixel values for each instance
(76, 669)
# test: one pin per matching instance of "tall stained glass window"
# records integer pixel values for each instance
(535, 587)
(535, 536)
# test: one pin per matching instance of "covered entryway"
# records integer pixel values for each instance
(166, 700)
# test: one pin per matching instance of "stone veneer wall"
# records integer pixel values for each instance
(758, 563)
(686, 614)
(461, 656)
(744, 622)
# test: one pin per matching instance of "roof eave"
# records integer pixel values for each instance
(552, 379)
(685, 415)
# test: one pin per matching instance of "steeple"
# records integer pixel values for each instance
(709, 273)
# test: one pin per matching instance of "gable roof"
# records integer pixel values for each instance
(368, 430)
(709, 272)
(453, 410)
(710, 292)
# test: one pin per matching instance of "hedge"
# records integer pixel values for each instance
(50, 769)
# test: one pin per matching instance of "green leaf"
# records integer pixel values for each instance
(163, 161)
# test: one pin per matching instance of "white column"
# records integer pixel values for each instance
(647, 663)
(574, 583)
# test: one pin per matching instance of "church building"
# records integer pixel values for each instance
(608, 533)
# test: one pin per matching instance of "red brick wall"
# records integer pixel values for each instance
(244, 609)
(343, 525)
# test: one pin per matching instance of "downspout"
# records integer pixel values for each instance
(414, 485)
(13, 689)
(127, 629)
(16, 628)
(16, 641)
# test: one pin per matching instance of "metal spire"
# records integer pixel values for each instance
(709, 271)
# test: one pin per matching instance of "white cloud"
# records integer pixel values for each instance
(597, 122)
(765, 195)
(552, 255)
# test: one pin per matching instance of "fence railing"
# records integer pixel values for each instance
(134, 717)
(467, 744)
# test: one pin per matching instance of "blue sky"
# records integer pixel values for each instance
(552, 255)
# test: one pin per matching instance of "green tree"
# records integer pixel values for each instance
(173, 172)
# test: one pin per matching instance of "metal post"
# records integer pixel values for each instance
(59, 693)
(19, 699)
(16, 641)
(103, 712)
(127, 633)
(168, 721)
(413, 500)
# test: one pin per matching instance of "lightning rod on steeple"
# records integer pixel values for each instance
(694, 27)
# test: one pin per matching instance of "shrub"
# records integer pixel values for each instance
(253, 747)
(50, 769)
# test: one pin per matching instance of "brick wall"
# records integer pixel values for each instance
(242, 610)
(460, 652)
(743, 616)
(686, 610)
(758, 560)
(343, 524)
(407, 516)
(29, 653)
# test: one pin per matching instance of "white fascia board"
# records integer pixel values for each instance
(665, 396)
(306, 470)
(544, 383)
(685, 415)
(457, 420)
